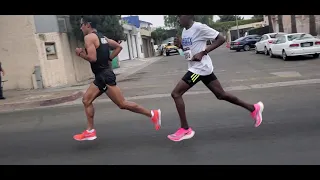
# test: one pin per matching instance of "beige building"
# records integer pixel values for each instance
(302, 22)
(147, 41)
(39, 42)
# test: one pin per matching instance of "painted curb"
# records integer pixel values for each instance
(41, 103)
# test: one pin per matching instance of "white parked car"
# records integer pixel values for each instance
(296, 44)
(263, 45)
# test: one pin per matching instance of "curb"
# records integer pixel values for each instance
(41, 103)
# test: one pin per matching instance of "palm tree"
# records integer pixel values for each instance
(312, 25)
(293, 24)
(270, 24)
(280, 22)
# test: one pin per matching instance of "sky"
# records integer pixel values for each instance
(157, 20)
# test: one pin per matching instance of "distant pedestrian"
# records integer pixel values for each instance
(2, 73)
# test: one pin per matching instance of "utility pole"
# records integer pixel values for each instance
(237, 27)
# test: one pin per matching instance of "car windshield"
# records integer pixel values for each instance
(276, 35)
(299, 36)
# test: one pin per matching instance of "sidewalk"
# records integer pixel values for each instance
(29, 99)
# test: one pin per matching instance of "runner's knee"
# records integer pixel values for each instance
(86, 101)
(221, 95)
(123, 105)
(175, 95)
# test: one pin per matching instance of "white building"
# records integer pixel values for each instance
(138, 43)
(132, 45)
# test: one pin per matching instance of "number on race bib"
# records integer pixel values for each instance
(188, 55)
(104, 41)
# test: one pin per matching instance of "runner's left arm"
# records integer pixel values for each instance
(208, 33)
(117, 48)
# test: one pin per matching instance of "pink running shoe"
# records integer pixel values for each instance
(156, 119)
(257, 113)
(181, 134)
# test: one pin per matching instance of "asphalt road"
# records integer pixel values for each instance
(232, 68)
(225, 134)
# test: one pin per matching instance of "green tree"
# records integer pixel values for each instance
(225, 26)
(257, 17)
(159, 35)
(225, 18)
(107, 24)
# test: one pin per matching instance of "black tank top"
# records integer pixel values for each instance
(103, 56)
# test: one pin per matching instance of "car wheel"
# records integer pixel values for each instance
(266, 52)
(246, 48)
(167, 54)
(284, 55)
(315, 56)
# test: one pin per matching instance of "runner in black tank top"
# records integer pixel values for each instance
(97, 52)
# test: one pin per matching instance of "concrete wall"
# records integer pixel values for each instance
(18, 50)
(140, 45)
(22, 48)
(132, 45)
(124, 54)
(53, 70)
(144, 32)
(302, 22)
(67, 68)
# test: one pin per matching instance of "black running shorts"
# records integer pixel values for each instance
(104, 78)
(191, 78)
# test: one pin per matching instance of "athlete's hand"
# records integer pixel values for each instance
(78, 51)
(198, 56)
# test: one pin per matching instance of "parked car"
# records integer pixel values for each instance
(295, 44)
(170, 49)
(263, 45)
(244, 43)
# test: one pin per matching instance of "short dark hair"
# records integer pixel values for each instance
(92, 20)
(191, 16)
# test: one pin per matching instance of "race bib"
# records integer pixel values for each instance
(104, 41)
(187, 55)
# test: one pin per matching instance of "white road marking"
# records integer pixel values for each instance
(287, 74)
(232, 88)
